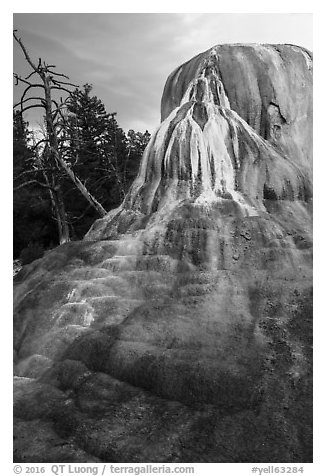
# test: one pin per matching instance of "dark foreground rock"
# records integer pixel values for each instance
(180, 329)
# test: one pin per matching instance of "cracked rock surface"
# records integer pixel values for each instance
(180, 328)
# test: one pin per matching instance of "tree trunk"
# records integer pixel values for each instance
(81, 187)
(59, 211)
(63, 227)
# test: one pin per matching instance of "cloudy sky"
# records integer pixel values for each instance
(128, 56)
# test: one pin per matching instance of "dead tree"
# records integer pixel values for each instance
(47, 82)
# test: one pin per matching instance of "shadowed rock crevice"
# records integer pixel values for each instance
(179, 329)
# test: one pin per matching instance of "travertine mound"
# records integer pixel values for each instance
(180, 328)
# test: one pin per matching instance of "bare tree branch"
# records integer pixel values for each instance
(37, 169)
(33, 106)
(27, 89)
(38, 143)
(27, 57)
(55, 73)
(55, 81)
(29, 182)
(58, 110)
(81, 187)
(19, 78)
(27, 99)
(30, 74)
